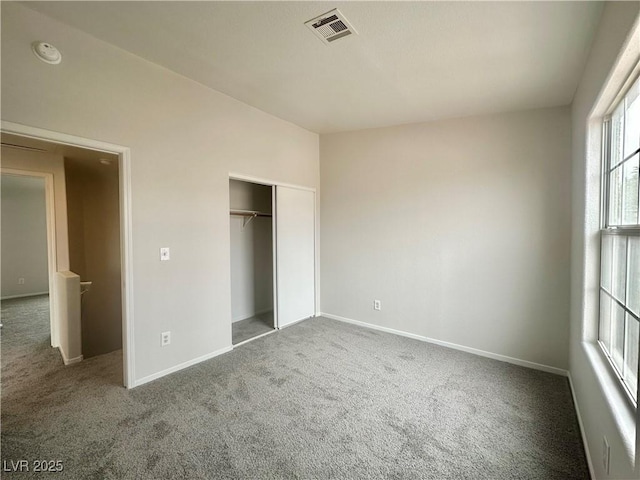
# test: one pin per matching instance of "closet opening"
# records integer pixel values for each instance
(252, 260)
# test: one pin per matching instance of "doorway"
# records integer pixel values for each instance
(26, 308)
(252, 269)
(273, 256)
(97, 155)
(93, 220)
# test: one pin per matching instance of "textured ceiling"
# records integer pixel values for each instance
(411, 62)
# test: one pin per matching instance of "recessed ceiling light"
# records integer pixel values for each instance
(46, 52)
(104, 161)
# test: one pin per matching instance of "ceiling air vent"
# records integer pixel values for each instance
(331, 26)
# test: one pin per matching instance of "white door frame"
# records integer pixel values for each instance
(124, 160)
(52, 262)
(244, 178)
(275, 183)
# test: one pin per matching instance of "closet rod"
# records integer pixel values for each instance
(249, 213)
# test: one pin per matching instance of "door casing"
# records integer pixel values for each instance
(274, 184)
(126, 264)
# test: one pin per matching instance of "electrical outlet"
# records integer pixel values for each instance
(377, 305)
(21, 281)
(165, 339)
(606, 455)
(165, 254)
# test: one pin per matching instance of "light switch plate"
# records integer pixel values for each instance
(164, 254)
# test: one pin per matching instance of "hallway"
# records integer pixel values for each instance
(37, 387)
(26, 339)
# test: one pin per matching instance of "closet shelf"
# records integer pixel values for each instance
(249, 215)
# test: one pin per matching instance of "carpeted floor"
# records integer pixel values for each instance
(26, 341)
(320, 399)
(251, 327)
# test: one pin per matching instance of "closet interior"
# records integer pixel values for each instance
(252, 270)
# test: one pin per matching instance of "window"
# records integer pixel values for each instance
(618, 333)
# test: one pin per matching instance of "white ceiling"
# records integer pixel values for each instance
(411, 62)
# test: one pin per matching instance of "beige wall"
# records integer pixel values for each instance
(602, 414)
(94, 251)
(24, 236)
(184, 140)
(46, 163)
(461, 228)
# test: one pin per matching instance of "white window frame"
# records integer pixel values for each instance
(626, 231)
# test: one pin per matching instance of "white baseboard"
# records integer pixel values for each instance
(455, 346)
(182, 366)
(67, 360)
(24, 295)
(582, 432)
(297, 321)
(255, 338)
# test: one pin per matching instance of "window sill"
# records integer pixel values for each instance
(621, 409)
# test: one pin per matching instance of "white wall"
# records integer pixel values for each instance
(461, 228)
(24, 236)
(602, 415)
(184, 140)
(45, 163)
(251, 251)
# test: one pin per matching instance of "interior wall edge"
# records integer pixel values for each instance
(69, 361)
(583, 433)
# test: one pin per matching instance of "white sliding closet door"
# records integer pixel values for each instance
(295, 254)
